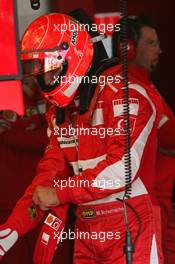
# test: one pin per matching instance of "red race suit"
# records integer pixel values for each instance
(92, 146)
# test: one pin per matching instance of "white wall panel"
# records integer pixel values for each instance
(26, 14)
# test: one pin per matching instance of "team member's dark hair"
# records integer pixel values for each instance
(135, 23)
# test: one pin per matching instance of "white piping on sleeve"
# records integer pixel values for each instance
(117, 169)
(163, 120)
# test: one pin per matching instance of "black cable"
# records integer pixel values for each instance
(129, 246)
(124, 60)
(138, 218)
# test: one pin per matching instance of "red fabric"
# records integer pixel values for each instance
(167, 131)
(114, 152)
(23, 248)
(109, 228)
(165, 183)
(92, 147)
(166, 135)
(96, 154)
(164, 188)
(21, 147)
(162, 185)
(8, 91)
(69, 193)
(49, 236)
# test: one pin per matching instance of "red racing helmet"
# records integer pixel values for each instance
(58, 51)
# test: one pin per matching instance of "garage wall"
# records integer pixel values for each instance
(26, 14)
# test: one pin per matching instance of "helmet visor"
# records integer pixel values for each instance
(40, 62)
(40, 66)
(48, 66)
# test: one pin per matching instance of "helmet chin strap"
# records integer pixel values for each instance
(100, 56)
(98, 38)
